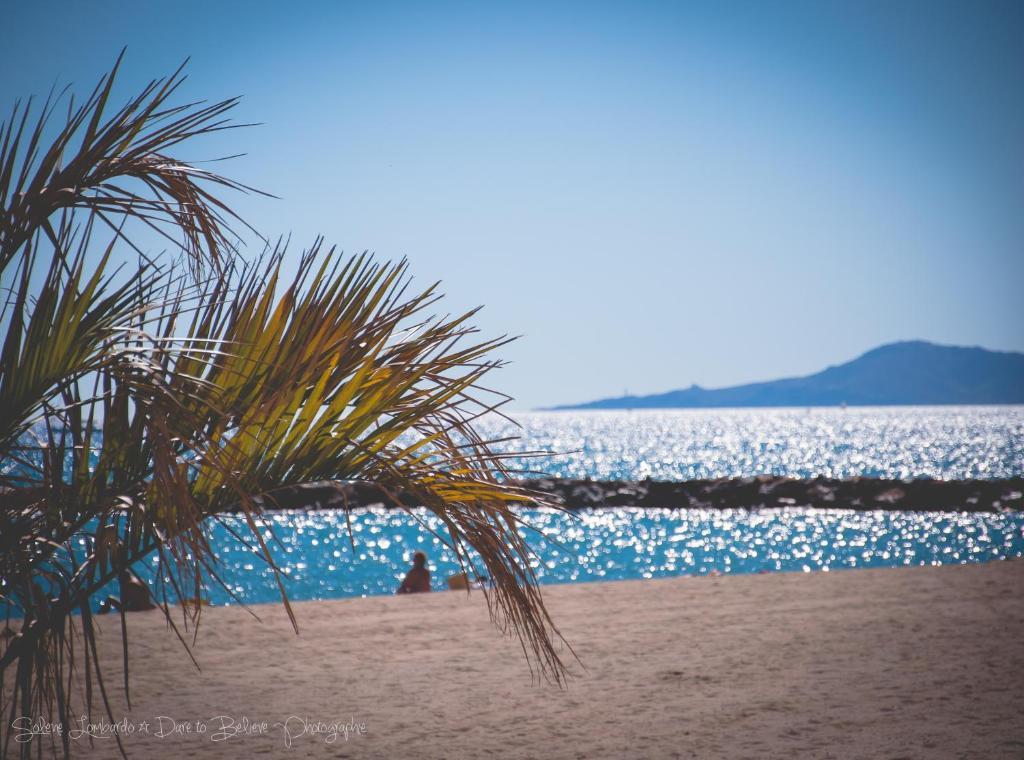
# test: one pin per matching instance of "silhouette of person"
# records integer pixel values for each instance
(134, 595)
(417, 580)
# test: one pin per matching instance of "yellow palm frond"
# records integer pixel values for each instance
(139, 405)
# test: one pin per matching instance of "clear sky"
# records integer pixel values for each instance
(652, 194)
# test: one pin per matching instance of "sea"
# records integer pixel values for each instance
(323, 556)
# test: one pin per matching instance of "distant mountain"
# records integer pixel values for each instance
(911, 372)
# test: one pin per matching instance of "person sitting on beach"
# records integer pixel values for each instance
(134, 595)
(417, 580)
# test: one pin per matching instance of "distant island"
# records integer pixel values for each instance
(909, 372)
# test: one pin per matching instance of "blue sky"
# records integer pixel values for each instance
(652, 194)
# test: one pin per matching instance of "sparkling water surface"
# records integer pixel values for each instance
(893, 442)
(620, 543)
(610, 544)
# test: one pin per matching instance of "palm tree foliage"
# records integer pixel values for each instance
(140, 404)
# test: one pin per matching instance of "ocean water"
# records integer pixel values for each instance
(893, 442)
(319, 561)
(609, 544)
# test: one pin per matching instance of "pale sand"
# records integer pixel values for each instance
(918, 662)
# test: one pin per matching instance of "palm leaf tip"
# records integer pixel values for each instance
(138, 406)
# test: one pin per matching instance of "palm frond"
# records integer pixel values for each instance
(94, 158)
(138, 404)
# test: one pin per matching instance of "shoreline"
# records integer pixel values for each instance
(544, 586)
(759, 492)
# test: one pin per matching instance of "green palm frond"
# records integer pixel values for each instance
(139, 404)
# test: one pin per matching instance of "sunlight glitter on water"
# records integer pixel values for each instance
(614, 544)
(893, 442)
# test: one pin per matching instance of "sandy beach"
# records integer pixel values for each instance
(916, 662)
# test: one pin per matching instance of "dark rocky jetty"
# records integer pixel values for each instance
(761, 492)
